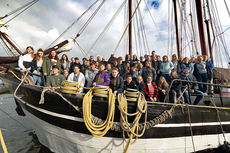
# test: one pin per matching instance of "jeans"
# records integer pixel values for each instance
(199, 95)
(38, 79)
(166, 76)
(173, 95)
(203, 78)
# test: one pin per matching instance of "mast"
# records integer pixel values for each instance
(200, 20)
(130, 28)
(208, 33)
(177, 29)
(11, 43)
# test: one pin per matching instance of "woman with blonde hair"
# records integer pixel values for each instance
(187, 64)
(36, 67)
(162, 86)
(26, 58)
(175, 90)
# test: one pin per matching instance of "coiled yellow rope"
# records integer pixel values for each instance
(132, 130)
(98, 130)
(3, 143)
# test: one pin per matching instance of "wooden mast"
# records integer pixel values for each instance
(200, 20)
(11, 43)
(130, 28)
(208, 34)
(177, 30)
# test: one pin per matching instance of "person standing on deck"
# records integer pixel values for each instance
(210, 67)
(26, 58)
(36, 67)
(84, 66)
(102, 77)
(201, 70)
(49, 61)
(187, 64)
(176, 64)
(148, 70)
(54, 81)
(166, 67)
(109, 69)
(91, 59)
(77, 76)
(116, 82)
(76, 62)
(65, 63)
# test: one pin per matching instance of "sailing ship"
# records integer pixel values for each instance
(70, 123)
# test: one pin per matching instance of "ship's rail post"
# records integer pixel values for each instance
(221, 95)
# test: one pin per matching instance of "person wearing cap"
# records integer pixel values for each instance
(50, 61)
(77, 76)
(102, 77)
(191, 88)
(54, 81)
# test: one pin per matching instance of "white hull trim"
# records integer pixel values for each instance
(159, 125)
(59, 140)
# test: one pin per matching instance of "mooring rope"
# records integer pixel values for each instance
(3, 142)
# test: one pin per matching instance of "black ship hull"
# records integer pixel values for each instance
(62, 129)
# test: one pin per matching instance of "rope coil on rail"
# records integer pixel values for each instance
(98, 130)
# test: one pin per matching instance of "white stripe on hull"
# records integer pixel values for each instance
(159, 125)
(60, 140)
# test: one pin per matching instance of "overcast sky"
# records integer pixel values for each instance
(47, 19)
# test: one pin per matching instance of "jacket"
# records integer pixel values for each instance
(189, 77)
(90, 74)
(47, 65)
(146, 90)
(104, 75)
(118, 86)
(55, 81)
(81, 80)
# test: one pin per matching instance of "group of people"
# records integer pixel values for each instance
(149, 74)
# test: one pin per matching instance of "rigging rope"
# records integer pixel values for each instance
(28, 6)
(132, 130)
(72, 24)
(126, 28)
(218, 116)
(89, 20)
(82, 50)
(190, 127)
(107, 27)
(12, 12)
(144, 37)
(227, 7)
(3, 142)
(6, 47)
